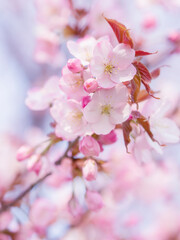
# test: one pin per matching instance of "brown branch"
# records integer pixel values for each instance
(21, 195)
(71, 144)
(5, 207)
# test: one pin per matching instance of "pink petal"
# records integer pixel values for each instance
(123, 75)
(120, 115)
(97, 67)
(105, 81)
(91, 112)
(103, 126)
(123, 56)
(103, 50)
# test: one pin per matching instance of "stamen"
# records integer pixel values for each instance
(108, 68)
(106, 109)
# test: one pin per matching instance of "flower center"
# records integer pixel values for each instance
(75, 82)
(108, 68)
(77, 115)
(106, 109)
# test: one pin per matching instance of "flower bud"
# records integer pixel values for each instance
(90, 170)
(108, 138)
(149, 22)
(90, 85)
(34, 163)
(85, 101)
(174, 37)
(94, 200)
(74, 65)
(89, 146)
(24, 152)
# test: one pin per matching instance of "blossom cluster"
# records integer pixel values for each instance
(97, 96)
(102, 98)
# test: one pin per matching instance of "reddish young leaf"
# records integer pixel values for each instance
(143, 95)
(135, 88)
(126, 127)
(144, 72)
(144, 123)
(149, 91)
(155, 73)
(121, 32)
(142, 53)
(145, 77)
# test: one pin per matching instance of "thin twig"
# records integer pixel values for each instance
(21, 195)
(71, 144)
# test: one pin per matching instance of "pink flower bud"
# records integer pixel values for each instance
(149, 22)
(85, 100)
(94, 200)
(34, 163)
(90, 170)
(108, 138)
(90, 85)
(174, 37)
(89, 146)
(74, 65)
(24, 152)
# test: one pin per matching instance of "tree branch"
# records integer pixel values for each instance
(21, 195)
(71, 144)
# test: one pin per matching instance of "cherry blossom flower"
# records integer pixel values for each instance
(53, 13)
(163, 128)
(112, 65)
(70, 120)
(41, 98)
(82, 49)
(107, 108)
(72, 84)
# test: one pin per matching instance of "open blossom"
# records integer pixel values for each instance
(72, 84)
(82, 49)
(107, 108)
(89, 146)
(69, 117)
(163, 128)
(41, 98)
(47, 46)
(53, 13)
(112, 65)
